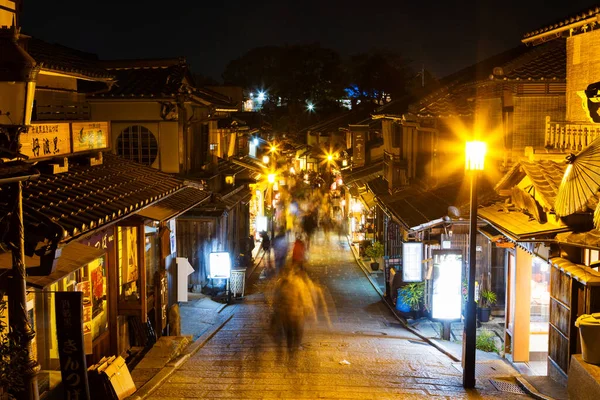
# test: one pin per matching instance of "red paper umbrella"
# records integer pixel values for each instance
(580, 182)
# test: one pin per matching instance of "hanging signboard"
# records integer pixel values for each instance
(358, 152)
(446, 299)
(69, 332)
(85, 287)
(46, 140)
(412, 261)
(89, 136)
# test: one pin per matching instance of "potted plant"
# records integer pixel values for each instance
(13, 359)
(375, 251)
(413, 295)
(487, 299)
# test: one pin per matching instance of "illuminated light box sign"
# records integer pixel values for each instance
(446, 302)
(89, 136)
(220, 265)
(261, 224)
(412, 261)
(46, 140)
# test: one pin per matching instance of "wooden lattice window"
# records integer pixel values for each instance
(137, 143)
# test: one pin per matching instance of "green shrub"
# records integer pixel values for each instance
(487, 298)
(485, 342)
(413, 294)
(375, 250)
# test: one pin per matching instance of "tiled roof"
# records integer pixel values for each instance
(87, 197)
(63, 59)
(545, 176)
(363, 174)
(157, 79)
(176, 204)
(414, 205)
(151, 82)
(586, 16)
(546, 62)
(360, 114)
(457, 103)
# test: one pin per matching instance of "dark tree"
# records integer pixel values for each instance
(377, 75)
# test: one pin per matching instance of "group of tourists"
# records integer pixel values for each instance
(295, 297)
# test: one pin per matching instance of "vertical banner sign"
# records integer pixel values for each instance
(358, 152)
(85, 287)
(46, 140)
(446, 302)
(69, 332)
(412, 261)
(89, 136)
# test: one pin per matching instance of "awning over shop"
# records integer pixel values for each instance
(516, 225)
(581, 273)
(415, 207)
(368, 199)
(243, 195)
(73, 256)
(87, 197)
(250, 164)
(588, 239)
(176, 204)
(363, 174)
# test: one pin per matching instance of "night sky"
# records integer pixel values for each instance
(442, 36)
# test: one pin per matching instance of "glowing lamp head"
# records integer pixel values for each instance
(475, 156)
(310, 107)
(261, 96)
(265, 159)
(329, 157)
(273, 148)
(271, 178)
(255, 141)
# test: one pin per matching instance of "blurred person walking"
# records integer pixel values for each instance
(280, 249)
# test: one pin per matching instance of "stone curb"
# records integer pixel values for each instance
(398, 317)
(173, 365)
(530, 390)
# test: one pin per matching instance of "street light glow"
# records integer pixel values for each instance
(329, 157)
(273, 148)
(255, 141)
(310, 107)
(475, 155)
(265, 159)
(271, 178)
(261, 96)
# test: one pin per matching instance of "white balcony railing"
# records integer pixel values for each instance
(570, 137)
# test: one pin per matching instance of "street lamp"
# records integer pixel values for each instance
(271, 178)
(18, 74)
(475, 155)
(265, 160)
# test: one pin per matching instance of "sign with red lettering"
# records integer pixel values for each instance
(69, 332)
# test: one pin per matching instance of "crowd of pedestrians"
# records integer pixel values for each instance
(301, 213)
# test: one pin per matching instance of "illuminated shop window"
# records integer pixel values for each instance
(91, 280)
(137, 143)
(127, 257)
(152, 256)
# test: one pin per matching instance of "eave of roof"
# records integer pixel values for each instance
(589, 17)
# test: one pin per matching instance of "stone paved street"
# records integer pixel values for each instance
(385, 360)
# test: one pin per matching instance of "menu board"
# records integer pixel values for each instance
(412, 261)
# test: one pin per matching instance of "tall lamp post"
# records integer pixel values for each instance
(475, 155)
(18, 75)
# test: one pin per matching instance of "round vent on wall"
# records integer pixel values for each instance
(137, 143)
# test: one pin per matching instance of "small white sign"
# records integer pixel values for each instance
(446, 299)
(220, 265)
(412, 260)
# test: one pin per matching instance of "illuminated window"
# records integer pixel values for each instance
(137, 143)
